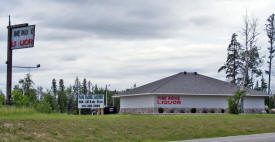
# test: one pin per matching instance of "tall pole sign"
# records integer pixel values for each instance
(19, 37)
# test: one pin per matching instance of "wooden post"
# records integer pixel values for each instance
(102, 111)
(98, 111)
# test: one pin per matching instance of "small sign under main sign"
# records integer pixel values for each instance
(91, 101)
(22, 37)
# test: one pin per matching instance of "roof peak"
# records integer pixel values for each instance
(185, 72)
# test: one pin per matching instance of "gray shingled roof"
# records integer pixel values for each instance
(188, 83)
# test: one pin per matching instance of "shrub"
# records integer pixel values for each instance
(193, 110)
(2, 100)
(233, 102)
(44, 107)
(17, 98)
(182, 111)
(52, 101)
(172, 110)
(222, 111)
(160, 110)
(212, 110)
(204, 111)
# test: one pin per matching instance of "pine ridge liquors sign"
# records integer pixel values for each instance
(169, 100)
(91, 101)
(22, 37)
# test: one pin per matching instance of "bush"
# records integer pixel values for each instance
(222, 111)
(233, 102)
(204, 111)
(17, 98)
(193, 110)
(172, 110)
(44, 107)
(2, 100)
(160, 110)
(182, 111)
(212, 110)
(52, 101)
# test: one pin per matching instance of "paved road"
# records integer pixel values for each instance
(267, 137)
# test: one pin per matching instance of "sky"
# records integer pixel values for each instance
(126, 42)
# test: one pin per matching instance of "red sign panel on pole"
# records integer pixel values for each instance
(22, 37)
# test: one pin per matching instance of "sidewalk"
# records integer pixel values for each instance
(266, 137)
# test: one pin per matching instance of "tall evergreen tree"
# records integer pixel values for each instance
(61, 85)
(71, 101)
(77, 87)
(62, 97)
(233, 63)
(76, 92)
(270, 30)
(54, 88)
(84, 86)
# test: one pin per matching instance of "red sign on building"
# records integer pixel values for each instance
(168, 100)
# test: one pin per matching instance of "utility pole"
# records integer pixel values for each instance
(9, 65)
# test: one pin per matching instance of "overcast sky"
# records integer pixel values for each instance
(123, 42)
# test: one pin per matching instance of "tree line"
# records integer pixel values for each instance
(244, 62)
(59, 98)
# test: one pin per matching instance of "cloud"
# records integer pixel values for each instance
(125, 42)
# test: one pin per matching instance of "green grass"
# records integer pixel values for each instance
(27, 125)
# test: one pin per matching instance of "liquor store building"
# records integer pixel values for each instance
(181, 92)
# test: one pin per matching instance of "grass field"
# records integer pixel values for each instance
(27, 125)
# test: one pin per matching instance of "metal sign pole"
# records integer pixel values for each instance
(9, 66)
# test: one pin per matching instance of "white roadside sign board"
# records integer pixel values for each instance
(92, 101)
(22, 37)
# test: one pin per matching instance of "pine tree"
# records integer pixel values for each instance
(270, 30)
(76, 92)
(62, 97)
(61, 85)
(54, 88)
(233, 63)
(71, 101)
(77, 87)
(84, 86)
(95, 89)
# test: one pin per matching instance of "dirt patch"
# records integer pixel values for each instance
(20, 124)
(39, 134)
(7, 125)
